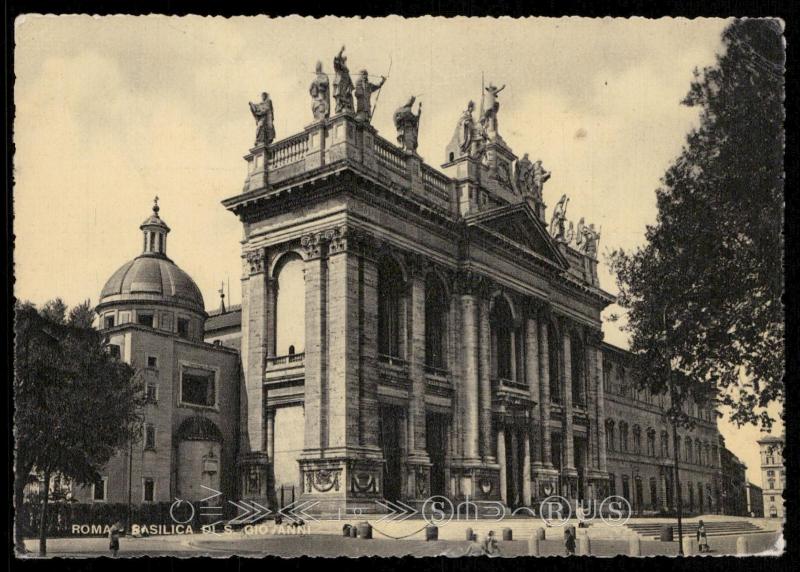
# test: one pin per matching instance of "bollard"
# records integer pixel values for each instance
(689, 546)
(508, 534)
(584, 545)
(431, 533)
(741, 545)
(634, 545)
(540, 535)
(533, 544)
(365, 530)
(469, 535)
(346, 530)
(354, 531)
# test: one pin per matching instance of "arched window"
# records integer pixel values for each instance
(664, 444)
(577, 370)
(689, 453)
(436, 307)
(290, 304)
(502, 327)
(698, 455)
(637, 439)
(651, 442)
(391, 288)
(609, 434)
(554, 372)
(678, 450)
(623, 436)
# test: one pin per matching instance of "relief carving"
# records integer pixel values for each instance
(256, 260)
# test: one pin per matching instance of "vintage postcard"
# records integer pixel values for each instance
(398, 286)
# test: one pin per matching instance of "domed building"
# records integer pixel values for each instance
(153, 315)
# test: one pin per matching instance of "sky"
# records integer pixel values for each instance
(112, 111)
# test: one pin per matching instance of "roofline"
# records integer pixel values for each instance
(132, 326)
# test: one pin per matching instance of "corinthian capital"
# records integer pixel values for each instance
(256, 260)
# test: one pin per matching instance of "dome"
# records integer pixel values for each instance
(197, 428)
(149, 278)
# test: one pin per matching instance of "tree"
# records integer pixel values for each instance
(75, 404)
(707, 283)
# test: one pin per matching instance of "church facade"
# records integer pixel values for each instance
(451, 338)
(405, 332)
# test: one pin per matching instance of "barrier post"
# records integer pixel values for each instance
(741, 545)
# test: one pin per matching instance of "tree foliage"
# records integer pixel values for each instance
(704, 292)
(75, 404)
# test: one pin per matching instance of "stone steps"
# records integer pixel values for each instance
(713, 528)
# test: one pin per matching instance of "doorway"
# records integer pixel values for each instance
(436, 446)
(392, 419)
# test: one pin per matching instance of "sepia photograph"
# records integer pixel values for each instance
(392, 286)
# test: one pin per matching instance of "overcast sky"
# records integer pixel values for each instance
(112, 111)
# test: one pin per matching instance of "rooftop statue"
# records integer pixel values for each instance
(407, 124)
(587, 239)
(469, 135)
(490, 108)
(320, 91)
(540, 177)
(265, 120)
(523, 176)
(342, 84)
(558, 228)
(364, 91)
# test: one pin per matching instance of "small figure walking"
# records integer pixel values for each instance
(279, 527)
(490, 546)
(702, 537)
(569, 540)
(113, 538)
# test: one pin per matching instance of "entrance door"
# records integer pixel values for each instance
(436, 445)
(391, 421)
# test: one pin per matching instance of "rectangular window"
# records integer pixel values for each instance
(183, 327)
(148, 490)
(151, 393)
(152, 361)
(108, 321)
(114, 351)
(99, 489)
(149, 436)
(198, 387)
(144, 319)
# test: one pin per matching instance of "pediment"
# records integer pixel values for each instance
(517, 225)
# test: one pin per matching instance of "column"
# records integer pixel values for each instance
(485, 382)
(532, 370)
(369, 414)
(501, 458)
(255, 310)
(416, 359)
(591, 408)
(515, 464)
(315, 400)
(569, 453)
(601, 411)
(469, 320)
(526, 466)
(271, 435)
(544, 384)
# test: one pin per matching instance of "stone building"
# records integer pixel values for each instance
(734, 484)
(755, 500)
(406, 332)
(773, 475)
(153, 316)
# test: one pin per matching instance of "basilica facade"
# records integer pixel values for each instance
(443, 337)
(405, 332)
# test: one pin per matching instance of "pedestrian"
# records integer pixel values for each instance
(490, 546)
(113, 538)
(476, 546)
(279, 526)
(702, 537)
(569, 540)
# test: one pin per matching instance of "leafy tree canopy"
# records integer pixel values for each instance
(704, 292)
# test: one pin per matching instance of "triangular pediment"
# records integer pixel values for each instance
(517, 224)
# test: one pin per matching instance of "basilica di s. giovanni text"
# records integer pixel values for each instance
(447, 339)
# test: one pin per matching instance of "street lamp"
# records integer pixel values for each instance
(674, 421)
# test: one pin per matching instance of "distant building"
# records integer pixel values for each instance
(755, 500)
(153, 316)
(773, 475)
(734, 483)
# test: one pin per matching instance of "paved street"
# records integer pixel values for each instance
(326, 545)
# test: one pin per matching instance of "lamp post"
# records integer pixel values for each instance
(674, 421)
